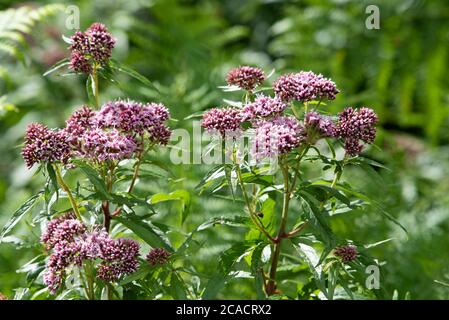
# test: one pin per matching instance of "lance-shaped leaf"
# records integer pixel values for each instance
(146, 231)
(19, 213)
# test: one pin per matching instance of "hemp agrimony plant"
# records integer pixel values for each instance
(278, 150)
(83, 252)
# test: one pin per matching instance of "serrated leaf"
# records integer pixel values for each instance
(178, 195)
(95, 179)
(117, 66)
(52, 175)
(58, 65)
(146, 231)
(19, 213)
(226, 261)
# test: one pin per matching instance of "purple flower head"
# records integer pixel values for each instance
(225, 121)
(354, 125)
(79, 63)
(92, 242)
(62, 229)
(304, 86)
(275, 137)
(158, 256)
(318, 126)
(64, 255)
(79, 123)
(119, 258)
(107, 145)
(45, 145)
(94, 46)
(53, 279)
(71, 245)
(263, 107)
(245, 77)
(136, 118)
(346, 253)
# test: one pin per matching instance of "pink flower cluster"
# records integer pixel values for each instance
(276, 136)
(107, 145)
(263, 107)
(45, 145)
(71, 244)
(354, 125)
(136, 118)
(225, 121)
(346, 253)
(119, 257)
(113, 133)
(158, 256)
(247, 78)
(304, 86)
(89, 48)
(317, 126)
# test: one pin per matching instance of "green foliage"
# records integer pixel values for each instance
(186, 54)
(16, 23)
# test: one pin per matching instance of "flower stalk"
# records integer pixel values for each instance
(66, 188)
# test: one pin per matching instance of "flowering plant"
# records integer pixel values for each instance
(98, 239)
(279, 150)
(84, 252)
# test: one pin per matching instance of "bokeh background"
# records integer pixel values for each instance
(186, 46)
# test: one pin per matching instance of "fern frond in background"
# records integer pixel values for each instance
(15, 24)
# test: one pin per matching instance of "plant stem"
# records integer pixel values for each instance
(95, 82)
(271, 287)
(140, 155)
(136, 172)
(252, 214)
(66, 188)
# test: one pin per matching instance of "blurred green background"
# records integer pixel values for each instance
(185, 47)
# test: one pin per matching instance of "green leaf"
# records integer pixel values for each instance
(178, 195)
(226, 261)
(89, 91)
(95, 179)
(139, 274)
(310, 256)
(257, 270)
(19, 213)
(52, 176)
(146, 231)
(58, 65)
(177, 289)
(235, 221)
(117, 66)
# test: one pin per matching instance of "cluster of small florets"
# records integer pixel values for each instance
(89, 48)
(158, 256)
(318, 126)
(115, 132)
(79, 123)
(62, 229)
(107, 145)
(136, 118)
(263, 107)
(305, 86)
(355, 125)
(3, 297)
(225, 121)
(71, 244)
(45, 145)
(277, 134)
(275, 137)
(247, 78)
(346, 253)
(119, 258)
